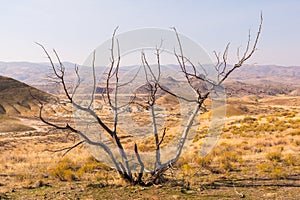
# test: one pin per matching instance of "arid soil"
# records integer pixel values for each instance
(256, 157)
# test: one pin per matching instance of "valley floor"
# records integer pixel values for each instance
(257, 157)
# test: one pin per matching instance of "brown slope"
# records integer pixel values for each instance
(16, 98)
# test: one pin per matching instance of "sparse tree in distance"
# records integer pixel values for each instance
(140, 174)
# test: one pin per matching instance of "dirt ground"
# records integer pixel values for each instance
(256, 161)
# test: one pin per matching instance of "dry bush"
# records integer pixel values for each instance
(295, 132)
(290, 159)
(296, 143)
(92, 167)
(205, 162)
(273, 170)
(274, 156)
(64, 170)
(229, 161)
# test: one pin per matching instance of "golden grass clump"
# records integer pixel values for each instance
(64, 170)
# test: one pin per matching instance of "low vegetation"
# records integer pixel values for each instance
(257, 156)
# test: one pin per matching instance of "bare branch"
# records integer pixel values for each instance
(78, 82)
(217, 58)
(246, 55)
(139, 179)
(62, 76)
(49, 58)
(177, 96)
(181, 61)
(110, 71)
(153, 87)
(155, 133)
(133, 78)
(162, 138)
(66, 149)
(203, 69)
(225, 54)
(115, 107)
(94, 81)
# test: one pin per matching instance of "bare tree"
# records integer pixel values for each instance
(153, 87)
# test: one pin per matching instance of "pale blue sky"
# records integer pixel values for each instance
(74, 28)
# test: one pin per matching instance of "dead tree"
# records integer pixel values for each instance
(153, 84)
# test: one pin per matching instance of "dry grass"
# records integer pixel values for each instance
(255, 152)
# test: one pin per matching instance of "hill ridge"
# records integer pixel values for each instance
(18, 98)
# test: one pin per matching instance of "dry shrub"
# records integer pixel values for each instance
(290, 159)
(296, 143)
(273, 170)
(186, 169)
(92, 166)
(228, 161)
(278, 172)
(64, 170)
(289, 114)
(264, 167)
(200, 134)
(295, 132)
(205, 162)
(274, 156)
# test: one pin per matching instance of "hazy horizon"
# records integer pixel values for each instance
(73, 63)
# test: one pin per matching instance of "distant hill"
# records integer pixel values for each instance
(266, 80)
(28, 72)
(239, 88)
(267, 74)
(16, 98)
(38, 74)
(251, 79)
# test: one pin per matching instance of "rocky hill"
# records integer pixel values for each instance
(18, 99)
(251, 79)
